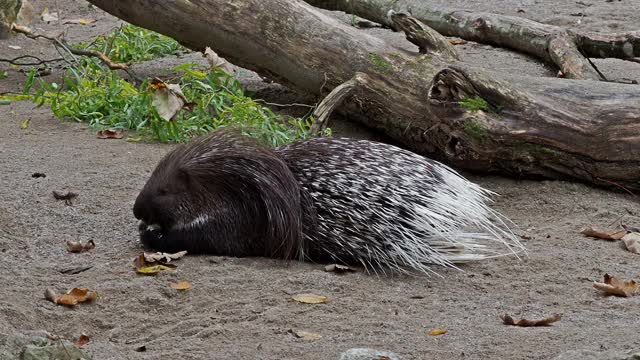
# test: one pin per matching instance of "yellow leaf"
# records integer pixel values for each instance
(86, 21)
(436, 332)
(134, 139)
(25, 124)
(305, 335)
(180, 285)
(310, 299)
(152, 269)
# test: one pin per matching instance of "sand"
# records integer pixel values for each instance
(242, 308)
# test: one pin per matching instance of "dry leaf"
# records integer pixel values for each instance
(457, 42)
(150, 268)
(167, 99)
(604, 234)
(310, 299)
(49, 17)
(614, 286)
(25, 124)
(78, 247)
(180, 285)
(14, 47)
(73, 297)
(508, 320)
(632, 242)
(80, 21)
(215, 60)
(305, 335)
(340, 269)
(163, 257)
(436, 332)
(67, 197)
(110, 134)
(631, 228)
(82, 341)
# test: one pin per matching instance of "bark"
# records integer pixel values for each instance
(583, 130)
(564, 48)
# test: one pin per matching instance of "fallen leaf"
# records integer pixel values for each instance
(78, 247)
(167, 99)
(632, 242)
(49, 17)
(181, 285)
(340, 269)
(305, 335)
(14, 47)
(150, 268)
(25, 124)
(82, 341)
(67, 197)
(71, 298)
(110, 134)
(508, 320)
(134, 139)
(604, 234)
(457, 42)
(80, 21)
(38, 175)
(161, 256)
(310, 299)
(436, 332)
(617, 287)
(215, 61)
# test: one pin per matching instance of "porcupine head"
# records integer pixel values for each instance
(224, 195)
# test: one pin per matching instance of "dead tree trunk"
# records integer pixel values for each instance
(427, 100)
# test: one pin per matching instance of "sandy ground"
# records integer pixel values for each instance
(241, 308)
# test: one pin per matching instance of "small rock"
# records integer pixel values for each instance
(368, 354)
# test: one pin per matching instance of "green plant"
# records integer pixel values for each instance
(474, 104)
(129, 44)
(380, 63)
(476, 130)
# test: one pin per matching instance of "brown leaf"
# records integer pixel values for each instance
(340, 269)
(80, 21)
(78, 247)
(110, 134)
(67, 197)
(457, 42)
(604, 234)
(215, 61)
(632, 242)
(310, 299)
(436, 332)
(167, 99)
(180, 285)
(508, 320)
(631, 228)
(82, 341)
(617, 287)
(73, 297)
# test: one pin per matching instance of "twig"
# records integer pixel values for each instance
(38, 61)
(284, 105)
(92, 53)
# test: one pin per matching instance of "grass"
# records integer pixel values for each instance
(130, 44)
(476, 130)
(380, 63)
(92, 94)
(474, 104)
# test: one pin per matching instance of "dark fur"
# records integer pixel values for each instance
(250, 196)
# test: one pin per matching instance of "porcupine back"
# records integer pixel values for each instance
(385, 207)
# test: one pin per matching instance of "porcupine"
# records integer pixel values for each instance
(324, 200)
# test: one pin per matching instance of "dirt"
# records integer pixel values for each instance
(242, 308)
